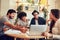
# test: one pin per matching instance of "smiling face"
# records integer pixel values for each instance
(12, 15)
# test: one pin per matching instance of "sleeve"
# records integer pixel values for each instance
(4, 19)
(55, 28)
(19, 22)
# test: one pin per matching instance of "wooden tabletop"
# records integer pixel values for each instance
(17, 34)
(24, 36)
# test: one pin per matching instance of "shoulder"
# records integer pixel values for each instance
(32, 19)
(3, 18)
(19, 21)
(40, 18)
(57, 24)
(58, 21)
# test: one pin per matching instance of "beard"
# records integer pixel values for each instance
(11, 17)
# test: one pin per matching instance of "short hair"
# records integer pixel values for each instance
(21, 14)
(35, 12)
(55, 12)
(11, 11)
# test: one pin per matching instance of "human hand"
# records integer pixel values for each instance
(48, 34)
(5, 29)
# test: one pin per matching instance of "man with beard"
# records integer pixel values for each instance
(7, 22)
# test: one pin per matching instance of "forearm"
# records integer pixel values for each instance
(12, 26)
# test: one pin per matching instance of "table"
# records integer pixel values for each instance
(24, 36)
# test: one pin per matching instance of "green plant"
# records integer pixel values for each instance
(20, 8)
(45, 12)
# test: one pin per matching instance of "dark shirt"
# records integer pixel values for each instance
(41, 21)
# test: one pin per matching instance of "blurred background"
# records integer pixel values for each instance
(28, 6)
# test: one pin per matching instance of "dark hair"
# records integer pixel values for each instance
(34, 12)
(11, 11)
(55, 12)
(21, 14)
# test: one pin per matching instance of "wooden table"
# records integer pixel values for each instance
(24, 36)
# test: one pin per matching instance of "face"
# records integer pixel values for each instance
(12, 15)
(24, 18)
(35, 15)
(52, 17)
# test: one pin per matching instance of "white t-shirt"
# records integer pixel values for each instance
(36, 21)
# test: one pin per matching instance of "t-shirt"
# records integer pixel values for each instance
(22, 23)
(11, 21)
(2, 20)
(36, 21)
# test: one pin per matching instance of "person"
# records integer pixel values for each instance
(36, 20)
(55, 31)
(43, 12)
(56, 27)
(22, 21)
(55, 24)
(54, 16)
(7, 21)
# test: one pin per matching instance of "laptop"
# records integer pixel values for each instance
(37, 29)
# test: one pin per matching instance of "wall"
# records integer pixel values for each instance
(4, 6)
(57, 3)
(54, 4)
(8, 4)
(51, 4)
(12, 4)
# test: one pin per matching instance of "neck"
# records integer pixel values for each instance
(36, 18)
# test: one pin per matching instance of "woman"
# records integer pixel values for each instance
(54, 16)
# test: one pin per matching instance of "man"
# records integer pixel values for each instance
(37, 20)
(6, 23)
